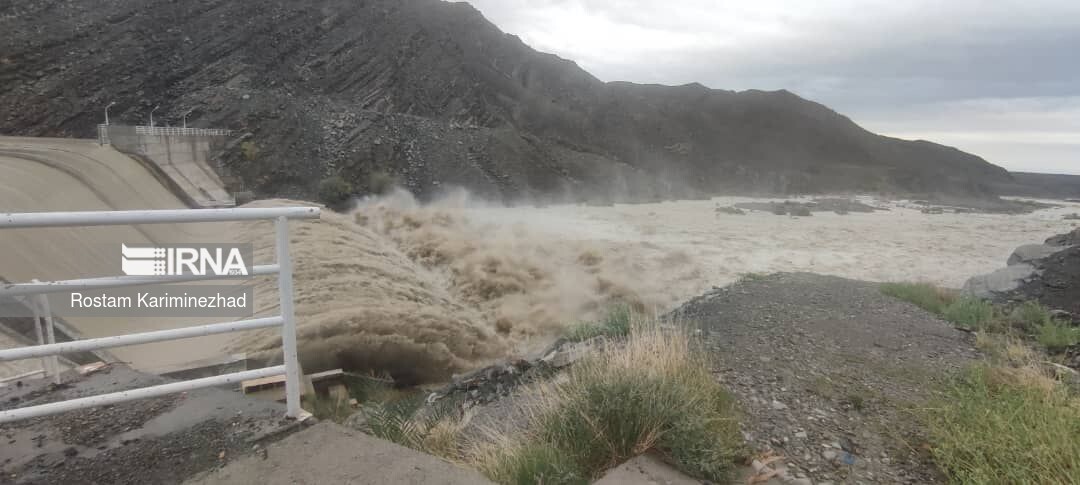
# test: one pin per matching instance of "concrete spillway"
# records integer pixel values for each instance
(182, 156)
(48, 174)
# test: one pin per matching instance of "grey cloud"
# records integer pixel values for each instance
(894, 66)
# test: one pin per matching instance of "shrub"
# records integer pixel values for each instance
(1057, 336)
(534, 462)
(380, 182)
(615, 324)
(971, 313)
(436, 430)
(1030, 315)
(328, 408)
(335, 192)
(250, 150)
(1000, 425)
(1005, 349)
(924, 295)
(650, 392)
(750, 277)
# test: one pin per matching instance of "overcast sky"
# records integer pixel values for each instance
(998, 78)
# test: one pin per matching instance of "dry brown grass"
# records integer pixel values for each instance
(653, 391)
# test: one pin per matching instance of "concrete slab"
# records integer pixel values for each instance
(160, 440)
(329, 453)
(646, 470)
(651, 470)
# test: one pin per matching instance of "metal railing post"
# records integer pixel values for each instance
(32, 301)
(288, 328)
(50, 336)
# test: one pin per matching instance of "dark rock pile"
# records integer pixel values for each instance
(486, 385)
(730, 210)
(1048, 273)
(489, 384)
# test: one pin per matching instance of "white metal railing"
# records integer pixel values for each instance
(172, 130)
(35, 292)
(103, 132)
(103, 135)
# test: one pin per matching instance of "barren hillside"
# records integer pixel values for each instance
(431, 94)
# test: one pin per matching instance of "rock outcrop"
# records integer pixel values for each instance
(1048, 273)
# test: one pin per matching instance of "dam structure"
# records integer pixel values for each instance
(126, 168)
(182, 157)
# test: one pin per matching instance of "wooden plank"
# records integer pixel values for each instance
(255, 384)
(275, 381)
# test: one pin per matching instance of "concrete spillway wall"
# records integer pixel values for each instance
(182, 155)
(54, 174)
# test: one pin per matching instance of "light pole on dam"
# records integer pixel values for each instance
(107, 112)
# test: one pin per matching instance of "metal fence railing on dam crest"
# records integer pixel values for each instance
(104, 139)
(186, 156)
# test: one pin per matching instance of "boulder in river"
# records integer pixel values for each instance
(1032, 252)
(1048, 273)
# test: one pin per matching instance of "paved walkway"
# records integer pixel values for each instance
(328, 453)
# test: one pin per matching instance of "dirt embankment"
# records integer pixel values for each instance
(827, 370)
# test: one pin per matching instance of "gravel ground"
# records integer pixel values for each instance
(162, 440)
(828, 371)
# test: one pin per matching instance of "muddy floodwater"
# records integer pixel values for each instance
(897, 244)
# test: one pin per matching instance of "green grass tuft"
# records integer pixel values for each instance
(924, 295)
(435, 430)
(615, 324)
(535, 463)
(1010, 426)
(970, 313)
(1009, 422)
(328, 408)
(1057, 336)
(1030, 315)
(652, 392)
(747, 277)
(967, 312)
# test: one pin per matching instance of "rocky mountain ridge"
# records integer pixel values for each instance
(429, 94)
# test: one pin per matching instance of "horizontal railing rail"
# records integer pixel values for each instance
(285, 320)
(141, 393)
(100, 343)
(123, 218)
(173, 130)
(45, 287)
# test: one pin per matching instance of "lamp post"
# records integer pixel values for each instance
(185, 118)
(152, 115)
(107, 112)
